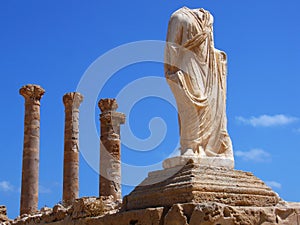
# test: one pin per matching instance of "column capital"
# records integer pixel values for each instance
(107, 105)
(72, 99)
(113, 117)
(32, 91)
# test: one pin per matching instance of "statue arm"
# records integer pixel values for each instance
(222, 68)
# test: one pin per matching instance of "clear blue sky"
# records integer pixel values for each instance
(53, 43)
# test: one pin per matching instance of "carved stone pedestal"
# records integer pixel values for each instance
(199, 184)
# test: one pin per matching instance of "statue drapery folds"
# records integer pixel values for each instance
(196, 73)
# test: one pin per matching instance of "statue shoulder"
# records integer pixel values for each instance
(181, 15)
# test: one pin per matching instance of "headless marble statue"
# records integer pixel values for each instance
(196, 73)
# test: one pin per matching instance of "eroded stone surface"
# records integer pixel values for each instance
(3, 215)
(110, 149)
(195, 183)
(31, 148)
(176, 216)
(71, 102)
(93, 211)
(80, 209)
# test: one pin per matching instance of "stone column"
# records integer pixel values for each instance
(31, 148)
(110, 157)
(71, 146)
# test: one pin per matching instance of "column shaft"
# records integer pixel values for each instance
(71, 147)
(110, 146)
(30, 166)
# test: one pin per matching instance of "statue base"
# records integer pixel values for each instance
(202, 161)
(199, 184)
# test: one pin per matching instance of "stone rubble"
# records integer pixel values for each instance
(3, 215)
(87, 207)
(100, 211)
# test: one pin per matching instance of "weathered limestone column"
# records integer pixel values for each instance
(110, 164)
(71, 146)
(31, 148)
